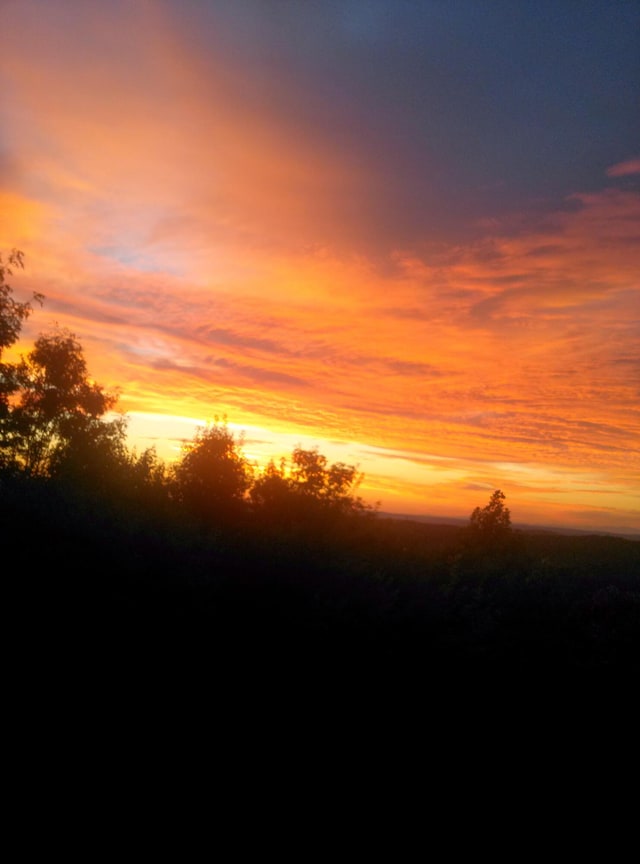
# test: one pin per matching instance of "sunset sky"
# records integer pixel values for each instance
(405, 232)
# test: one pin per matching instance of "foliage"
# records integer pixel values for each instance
(213, 476)
(50, 410)
(379, 599)
(271, 490)
(56, 410)
(489, 547)
(492, 522)
(308, 487)
(12, 313)
(145, 471)
(94, 452)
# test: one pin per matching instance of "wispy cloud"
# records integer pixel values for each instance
(235, 222)
(624, 169)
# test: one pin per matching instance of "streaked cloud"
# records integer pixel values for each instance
(624, 169)
(367, 227)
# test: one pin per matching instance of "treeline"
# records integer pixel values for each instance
(53, 427)
(110, 553)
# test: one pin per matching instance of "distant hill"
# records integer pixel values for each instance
(520, 526)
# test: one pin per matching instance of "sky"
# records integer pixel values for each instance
(407, 233)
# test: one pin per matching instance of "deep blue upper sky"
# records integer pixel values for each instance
(479, 107)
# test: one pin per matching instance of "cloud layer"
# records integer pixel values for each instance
(340, 224)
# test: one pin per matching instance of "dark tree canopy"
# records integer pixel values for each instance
(494, 520)
(213, 476)
(307, 488)
(56, 408)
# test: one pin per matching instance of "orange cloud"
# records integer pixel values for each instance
(205, 247)
(158, 148)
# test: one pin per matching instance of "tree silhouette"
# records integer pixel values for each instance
(213, 475)
(332, 485)
(492, 522)
(309, 488)
(271, 491)
(12, 313)
(56, 409)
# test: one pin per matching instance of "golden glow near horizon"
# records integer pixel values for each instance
(216, 256)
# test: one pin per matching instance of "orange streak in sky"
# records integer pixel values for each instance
(207, 252)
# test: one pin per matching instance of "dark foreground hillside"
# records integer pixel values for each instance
(98, 590)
